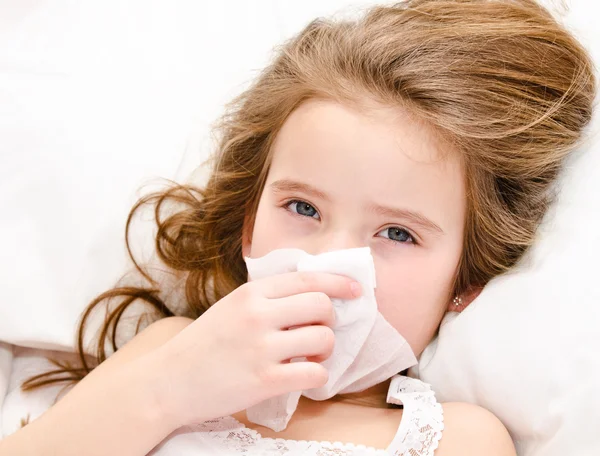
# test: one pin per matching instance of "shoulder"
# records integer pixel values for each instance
(473, 430)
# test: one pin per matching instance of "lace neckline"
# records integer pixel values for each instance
(341, 445)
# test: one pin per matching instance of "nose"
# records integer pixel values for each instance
(338, 240)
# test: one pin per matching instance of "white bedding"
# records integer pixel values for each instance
(16, 365)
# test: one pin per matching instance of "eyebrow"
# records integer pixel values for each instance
(287, 185)
(414, 217)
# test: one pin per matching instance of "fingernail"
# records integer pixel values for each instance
(356, 289)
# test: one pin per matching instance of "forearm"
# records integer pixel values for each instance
(109, 412)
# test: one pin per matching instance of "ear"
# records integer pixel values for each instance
(464, 299)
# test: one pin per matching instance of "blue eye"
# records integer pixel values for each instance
(397, 234)
(303, 208)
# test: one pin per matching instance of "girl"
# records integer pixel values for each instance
(432, 132)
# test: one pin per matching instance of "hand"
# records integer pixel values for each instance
(237, 353)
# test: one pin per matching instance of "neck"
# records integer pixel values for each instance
(374, 397)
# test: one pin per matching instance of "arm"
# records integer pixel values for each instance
(470, 430)
(113, 410)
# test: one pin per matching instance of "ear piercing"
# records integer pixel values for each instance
(457, 301)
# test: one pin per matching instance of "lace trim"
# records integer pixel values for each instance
(320, 448)
(422, 423)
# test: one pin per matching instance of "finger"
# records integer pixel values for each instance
(292, 283)
(296, 376)
(313, 308)
(307, 341)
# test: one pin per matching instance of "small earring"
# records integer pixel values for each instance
(457, 301)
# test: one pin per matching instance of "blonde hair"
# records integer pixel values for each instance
(500, 80)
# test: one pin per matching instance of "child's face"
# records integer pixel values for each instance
(341, 179)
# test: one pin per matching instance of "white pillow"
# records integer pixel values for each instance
(96, 99)
(6, 356)
(527, 348)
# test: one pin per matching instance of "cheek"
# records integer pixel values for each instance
(412, 295)
(274, 228)
(264, 233)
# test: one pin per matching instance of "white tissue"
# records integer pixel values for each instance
(367, 351)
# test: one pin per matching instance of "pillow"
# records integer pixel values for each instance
(6, 356)
(527, 348)
(93, 107)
